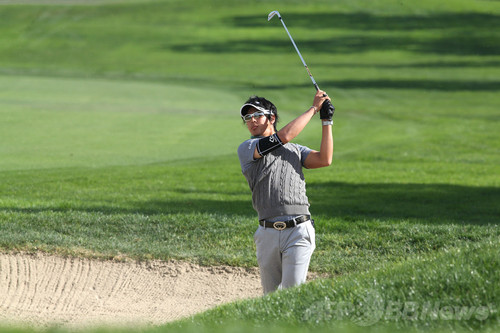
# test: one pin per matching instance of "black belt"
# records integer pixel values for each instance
(281, 225)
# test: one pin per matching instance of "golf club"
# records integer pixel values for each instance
(269, 17)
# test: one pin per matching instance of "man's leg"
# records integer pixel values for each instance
(297, 255)
(269, 258)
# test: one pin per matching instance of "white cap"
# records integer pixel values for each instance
(256, 104)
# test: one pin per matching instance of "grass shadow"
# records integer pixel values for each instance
(451, 43)
(435, 85)
(367, 21)
(455, 34)
(432, 203)
(435, 203)
(423, 64)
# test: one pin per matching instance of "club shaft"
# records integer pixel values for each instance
(300, 55)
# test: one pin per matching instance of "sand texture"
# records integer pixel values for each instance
(45, 290)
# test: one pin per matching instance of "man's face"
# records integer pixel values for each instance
(260, 126)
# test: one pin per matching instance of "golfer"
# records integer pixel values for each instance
(272, 166)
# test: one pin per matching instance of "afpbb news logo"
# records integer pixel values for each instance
(370, 308)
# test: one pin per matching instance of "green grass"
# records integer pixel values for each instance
(55, 122)
(445, 290)
(119, 128)
(156, 211)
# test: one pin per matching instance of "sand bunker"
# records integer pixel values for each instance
(44, 290)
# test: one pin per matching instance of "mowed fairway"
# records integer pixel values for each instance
(119, 126)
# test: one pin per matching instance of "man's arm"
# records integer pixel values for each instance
(293, 128)
(323, 157)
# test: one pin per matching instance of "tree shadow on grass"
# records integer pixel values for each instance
(436, 85)
(427, 203)
(451, 44)
(434, 203)
(456, 34)
(422, 64)
(371, 22)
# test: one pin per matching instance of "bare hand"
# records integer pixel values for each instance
(319, 98)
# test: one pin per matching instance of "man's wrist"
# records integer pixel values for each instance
(326, 122)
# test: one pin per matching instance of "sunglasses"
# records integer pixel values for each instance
(248, 117)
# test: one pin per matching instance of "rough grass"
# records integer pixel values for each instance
(445, 290)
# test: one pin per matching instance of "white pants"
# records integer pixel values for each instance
(284, 256)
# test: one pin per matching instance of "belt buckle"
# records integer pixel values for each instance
(279, 225)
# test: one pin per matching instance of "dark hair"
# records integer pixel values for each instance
(267, 105)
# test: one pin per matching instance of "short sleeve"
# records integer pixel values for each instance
(304, 152)
(245, 153)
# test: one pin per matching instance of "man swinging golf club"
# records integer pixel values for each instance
(272, 165)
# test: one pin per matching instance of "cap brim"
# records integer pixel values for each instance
(245, 107)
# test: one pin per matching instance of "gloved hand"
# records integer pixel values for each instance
(327, 110)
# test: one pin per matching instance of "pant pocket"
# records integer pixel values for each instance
(256, 234)
(311, 233)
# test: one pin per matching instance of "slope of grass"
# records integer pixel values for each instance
(156, 211)
(447, 290)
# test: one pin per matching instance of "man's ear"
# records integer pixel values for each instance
(273, 119)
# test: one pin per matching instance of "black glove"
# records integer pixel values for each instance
(327, 110)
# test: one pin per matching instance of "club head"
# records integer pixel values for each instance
(271, 15)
